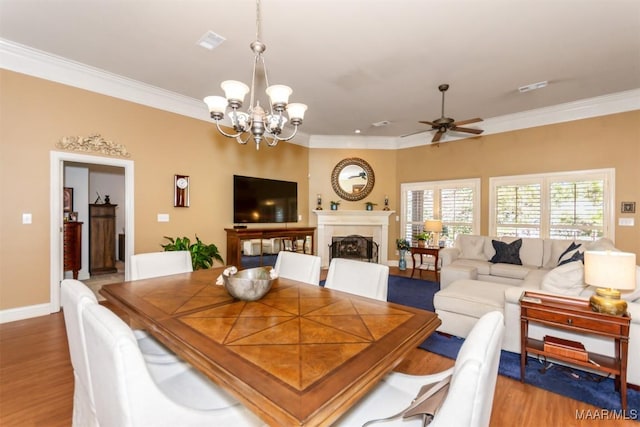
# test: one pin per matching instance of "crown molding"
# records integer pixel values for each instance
(36, 63)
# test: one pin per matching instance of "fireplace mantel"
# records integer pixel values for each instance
(346, 222)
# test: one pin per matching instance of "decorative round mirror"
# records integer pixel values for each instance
(352, 179)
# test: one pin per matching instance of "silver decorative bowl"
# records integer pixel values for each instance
(250, 284)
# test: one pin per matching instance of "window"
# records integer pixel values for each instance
(456, 203)
(569, 205)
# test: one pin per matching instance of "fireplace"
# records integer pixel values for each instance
(350, 223)
(355, 247)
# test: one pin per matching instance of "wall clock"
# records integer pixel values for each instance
(181, 191)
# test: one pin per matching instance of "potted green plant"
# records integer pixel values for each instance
(202, 254)
(423, 238)
(369, 205)
(334, 205)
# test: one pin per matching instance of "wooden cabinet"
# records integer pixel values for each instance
(73, 247)
(288, 237)
(102, 239)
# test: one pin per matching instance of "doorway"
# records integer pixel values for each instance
(58, 160)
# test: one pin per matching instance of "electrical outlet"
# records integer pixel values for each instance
(163, 217)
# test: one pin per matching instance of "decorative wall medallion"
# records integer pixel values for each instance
(93, 143)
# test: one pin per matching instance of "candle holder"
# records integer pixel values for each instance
(319, 205)
(386, 203)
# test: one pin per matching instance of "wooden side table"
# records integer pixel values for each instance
(575, 315)
(428, 250)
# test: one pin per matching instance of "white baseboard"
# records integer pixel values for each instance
(21, 313)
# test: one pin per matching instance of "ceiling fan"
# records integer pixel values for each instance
(444, 124)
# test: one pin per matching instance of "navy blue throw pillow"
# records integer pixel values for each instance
(571, 254)
(507, 253)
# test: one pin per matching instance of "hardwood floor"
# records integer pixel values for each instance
(36, 382)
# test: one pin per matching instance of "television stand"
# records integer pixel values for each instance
(288, 236)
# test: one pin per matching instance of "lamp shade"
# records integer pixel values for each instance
(610, 269)
(279, 94)
(433, 225)
(234, 90)
(296, 110)
(216, 104)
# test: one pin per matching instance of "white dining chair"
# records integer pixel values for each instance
(75, 296)
(357, 277)
(126, 395)
(156, 264)
(296, 266)
(469, 399)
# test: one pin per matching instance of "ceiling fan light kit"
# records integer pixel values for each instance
(444, 124)
(256, 123)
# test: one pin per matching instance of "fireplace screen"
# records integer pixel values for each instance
(355, 247)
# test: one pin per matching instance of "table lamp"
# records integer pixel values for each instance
(610, 271)
(433, 226)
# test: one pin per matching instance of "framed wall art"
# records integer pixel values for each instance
(67, 200)
(628, 207)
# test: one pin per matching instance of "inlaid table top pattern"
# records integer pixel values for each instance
(299, 356)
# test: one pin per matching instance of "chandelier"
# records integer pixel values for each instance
(256, 122)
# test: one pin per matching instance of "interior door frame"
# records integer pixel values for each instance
(57, 159)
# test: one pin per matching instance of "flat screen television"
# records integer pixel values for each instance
(261, 200)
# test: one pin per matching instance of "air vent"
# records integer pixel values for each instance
(210, 40)
(533, 86)
(381, 123)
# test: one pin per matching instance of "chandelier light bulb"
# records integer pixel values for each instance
(296, 112)
(279, 96)
(234, 91)
(217, 106)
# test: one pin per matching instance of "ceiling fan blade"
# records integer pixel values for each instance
(428, 123)
(437, 136)
(467, 122)
(468, 130)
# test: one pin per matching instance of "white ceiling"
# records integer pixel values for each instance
(354, 62)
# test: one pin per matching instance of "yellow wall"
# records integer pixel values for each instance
(35, 114)
(602, 142)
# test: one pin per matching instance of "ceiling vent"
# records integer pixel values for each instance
(533, 86)
(210, 40)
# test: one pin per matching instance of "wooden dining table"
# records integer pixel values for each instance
(300, 356)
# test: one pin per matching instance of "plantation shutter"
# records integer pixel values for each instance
(456, 209)
(453, 202)
(518, 210)
(420, 207)
(576, 209)
(566, 205)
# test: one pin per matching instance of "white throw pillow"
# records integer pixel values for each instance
(472, 247)
(633, 294)
(567, 279)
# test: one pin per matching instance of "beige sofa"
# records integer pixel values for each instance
(471, 285)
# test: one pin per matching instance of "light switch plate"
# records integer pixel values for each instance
(163, 217)
(626, 222)
(26, 218)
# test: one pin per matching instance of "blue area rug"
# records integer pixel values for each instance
(576, 384)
